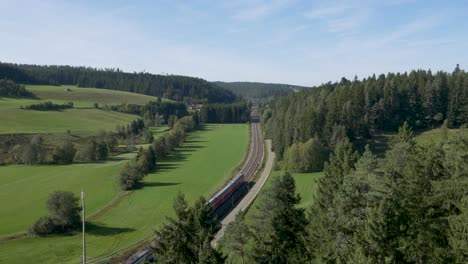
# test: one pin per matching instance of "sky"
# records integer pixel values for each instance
(279, 41)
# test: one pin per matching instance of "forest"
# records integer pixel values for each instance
(358, 109)
(256, 90)
(175, 87)
(225, 113)
(409, 207)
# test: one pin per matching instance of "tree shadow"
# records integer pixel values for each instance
(378, 144)
(115, 158)
(190, 141)
(191, 148)
(157, 184)
(102, 230)
(205, 128)
(176, 156)
(166, 167)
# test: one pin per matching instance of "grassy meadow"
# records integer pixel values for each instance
(83, 118)
(24, 189)
(81, 97)
(77, 120)
(89, 96)
(199, 167)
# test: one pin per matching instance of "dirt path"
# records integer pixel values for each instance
(248, 199)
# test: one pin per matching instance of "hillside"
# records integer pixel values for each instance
(178, 88)
(81, 97)
(257, 90)
(360, 109)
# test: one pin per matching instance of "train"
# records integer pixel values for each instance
(142, 256)
(225, 193)
(146, 255)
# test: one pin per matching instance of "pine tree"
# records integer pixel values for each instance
(237, 236)
(279, 224)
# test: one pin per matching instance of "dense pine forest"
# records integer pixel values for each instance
(179, 88)
(409, 207)
(225, 113)
(256, 90)
(358, 109)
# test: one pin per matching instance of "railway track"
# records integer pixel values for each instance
(235, 189)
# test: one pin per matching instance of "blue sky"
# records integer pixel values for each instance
(282, 41)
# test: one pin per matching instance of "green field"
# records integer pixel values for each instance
(200, 166)
(83, 118)
(81, 97)
(24, 189)
(77, 120)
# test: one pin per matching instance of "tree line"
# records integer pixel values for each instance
(178, 88)
(154, 111)
(9, 88)
(135, 170)
(95, 148)
(358, 109)
(225, 113)
(48, 106)
(36, 151)
(408, 207)
(89, 149)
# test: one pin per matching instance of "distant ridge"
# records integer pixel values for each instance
(258, 90)
(175, 87)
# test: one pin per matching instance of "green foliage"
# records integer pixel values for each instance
(409, 207)
(236, 237)
(154, 112)
(135, 170)
(255, 90)
(130, 175)
(87, 152)
(359, 109)
(186, 238)
(306, 157)
(160, 148)
(9, 88)
(31, 153)
(63, 214)
(276, 232)
(49, 106)
(148, 136)
(225, 113)
(64, 154)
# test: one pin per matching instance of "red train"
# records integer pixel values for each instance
(146, 255)
(226, 192)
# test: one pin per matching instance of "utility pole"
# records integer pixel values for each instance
(83, 225)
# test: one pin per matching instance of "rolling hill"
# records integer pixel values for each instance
(257, 90)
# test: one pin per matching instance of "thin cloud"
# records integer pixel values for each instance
(259, 9)
(340, 18)
(324, 12)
